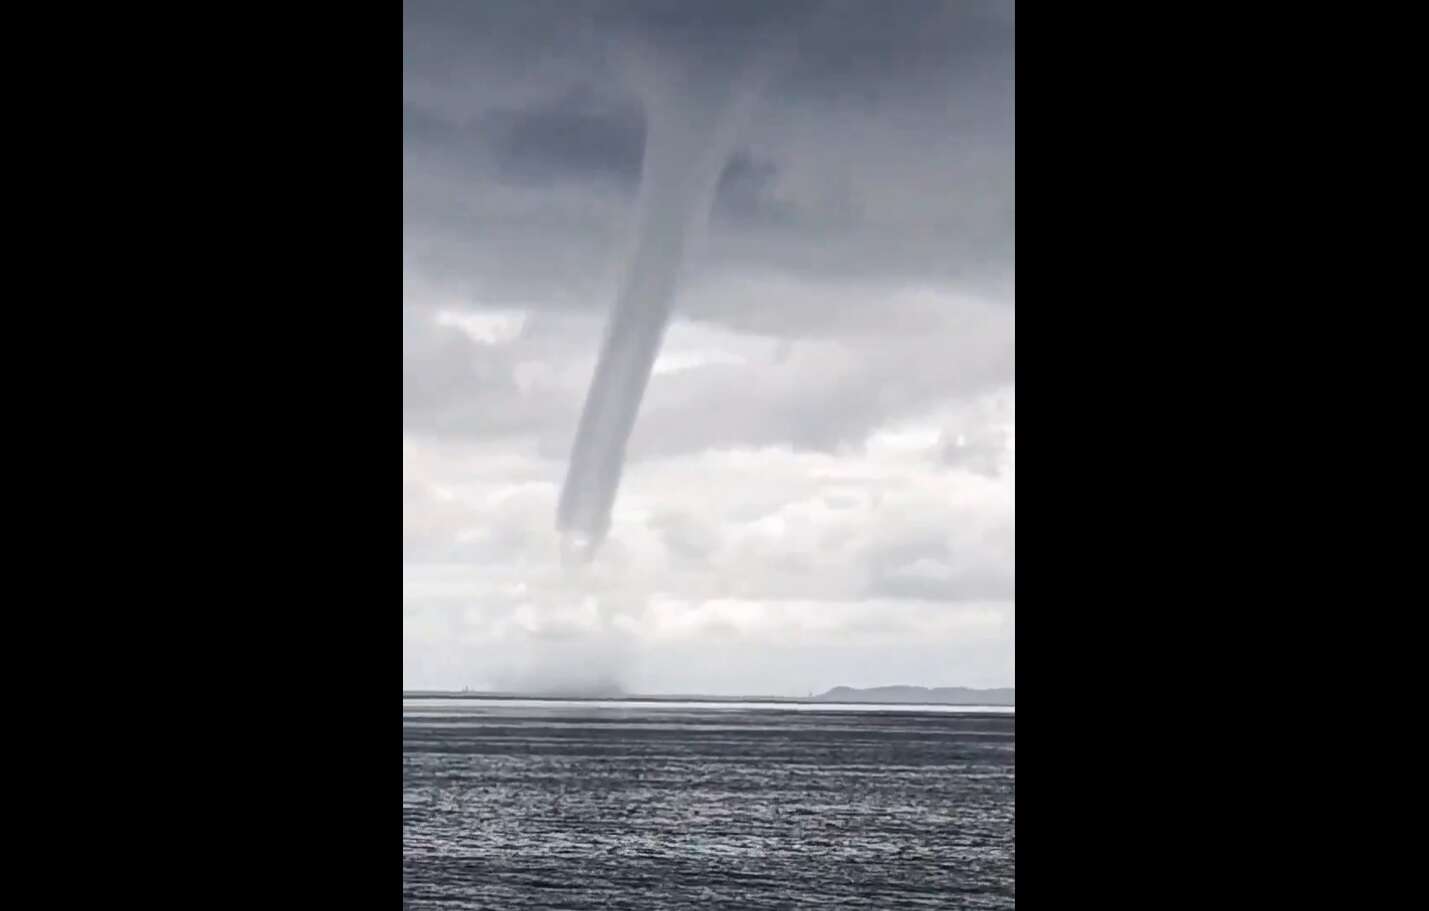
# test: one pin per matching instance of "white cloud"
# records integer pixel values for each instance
(762, 551)
(485, 327)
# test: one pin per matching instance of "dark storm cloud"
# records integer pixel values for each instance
(846, 47)
(882, 148)
(879, 157)
(575, 137)
(585, 138)
(746, 191)
(874, 52)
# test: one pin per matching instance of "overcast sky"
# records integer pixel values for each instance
(820, 485)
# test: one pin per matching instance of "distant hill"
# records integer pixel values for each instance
(941, 695)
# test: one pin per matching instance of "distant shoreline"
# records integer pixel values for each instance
(823, 699)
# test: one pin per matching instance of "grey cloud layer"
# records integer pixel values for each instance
(879, 162)
(884, 149)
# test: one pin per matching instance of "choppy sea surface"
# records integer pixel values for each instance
(511, 804)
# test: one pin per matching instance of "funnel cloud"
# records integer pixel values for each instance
(694, 105)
